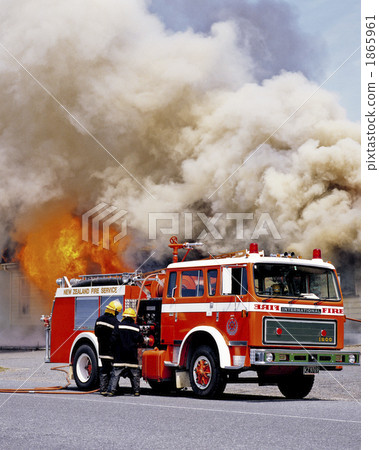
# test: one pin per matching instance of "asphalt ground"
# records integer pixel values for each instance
(246, 416)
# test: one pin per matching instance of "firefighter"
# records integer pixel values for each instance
(104, 327)
(126, 338)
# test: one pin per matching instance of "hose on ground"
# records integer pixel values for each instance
(48, 389)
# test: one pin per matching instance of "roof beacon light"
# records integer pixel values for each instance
(317, 253)
(254, 247)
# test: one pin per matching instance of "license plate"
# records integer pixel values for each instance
(310, 370)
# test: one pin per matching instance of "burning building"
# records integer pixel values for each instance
(20, 309)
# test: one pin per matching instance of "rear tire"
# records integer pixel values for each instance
(86, 368)
(297, 386)
(207, 378)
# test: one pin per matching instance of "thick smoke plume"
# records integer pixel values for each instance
(180, 111)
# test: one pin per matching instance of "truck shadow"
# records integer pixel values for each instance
(228, 396)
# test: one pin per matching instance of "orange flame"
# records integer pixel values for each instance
(56, 249)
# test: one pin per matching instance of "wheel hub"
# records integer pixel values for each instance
(202, 372)
(84, 368)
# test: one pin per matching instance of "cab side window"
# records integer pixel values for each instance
(234, 281)
(212, 282)
(171, 288)
(192, 282)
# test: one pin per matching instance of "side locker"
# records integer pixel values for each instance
(59, 344)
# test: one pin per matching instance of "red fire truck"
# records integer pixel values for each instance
(207, 321)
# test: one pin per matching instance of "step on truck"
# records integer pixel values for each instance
(208, 321)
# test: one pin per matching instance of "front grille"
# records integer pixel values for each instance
(279, 331)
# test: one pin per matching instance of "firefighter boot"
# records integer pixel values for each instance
(104, 380)
(135, 381)
(105, 373)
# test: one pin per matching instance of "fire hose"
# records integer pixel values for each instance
(49, 389)
(354, 320)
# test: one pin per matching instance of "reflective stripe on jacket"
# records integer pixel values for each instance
(126, 337)
(104, 327)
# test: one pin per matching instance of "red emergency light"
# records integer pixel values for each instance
(254, 247)
(316, 253)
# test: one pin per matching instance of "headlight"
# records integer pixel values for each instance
(351, 359)
(269, 357)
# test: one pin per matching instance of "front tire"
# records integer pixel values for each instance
(297, 386)
(86, 368)
(206, 376)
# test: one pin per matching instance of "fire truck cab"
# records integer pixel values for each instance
(207, 321)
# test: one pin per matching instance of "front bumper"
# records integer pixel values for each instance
(288, 357)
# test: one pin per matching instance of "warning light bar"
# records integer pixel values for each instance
(254, 247)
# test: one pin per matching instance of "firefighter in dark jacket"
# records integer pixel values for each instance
(104, 327)
(126, 338)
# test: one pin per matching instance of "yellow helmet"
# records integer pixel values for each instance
(114, 307)
(276, 289)
(129, 312)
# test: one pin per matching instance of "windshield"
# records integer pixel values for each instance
(288, 280)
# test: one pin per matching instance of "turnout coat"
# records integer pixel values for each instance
(104, 327)
(126, 338)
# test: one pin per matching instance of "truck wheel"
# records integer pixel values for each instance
(207, 379)
(296, 387)
(86, 369)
